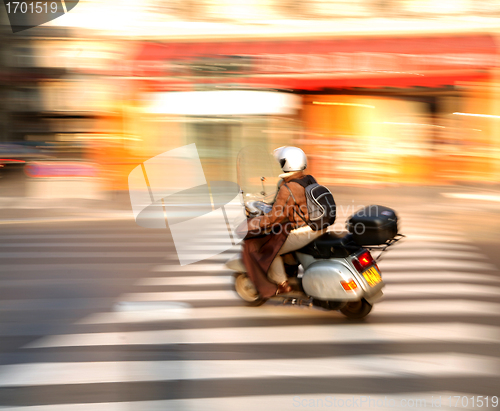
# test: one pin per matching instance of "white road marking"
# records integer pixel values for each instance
(438, 238)
(164, 244)
(435, 263)
(223, 256)
(192, 268)
(446, 289)
(83, 235)
(438, 276)
(389, 365)
(432, 253)
(433, 277)
(409, 243)
(412, 264)
(459, 308)
(192, 280)
(41, 282)
(470, 196)
(211, 239)
(201, 295)
(395, 252)
(339, 333)
(361, 402)
(82, 254)
(408, 289)
(166, 312)
(209, 247)
(424, 229)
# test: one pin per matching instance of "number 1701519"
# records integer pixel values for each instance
(31, 7)
(459, 401)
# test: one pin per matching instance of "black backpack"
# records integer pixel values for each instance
(321, 206)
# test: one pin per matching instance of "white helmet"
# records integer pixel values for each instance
(291, 158)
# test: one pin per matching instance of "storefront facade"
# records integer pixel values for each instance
(373, 110)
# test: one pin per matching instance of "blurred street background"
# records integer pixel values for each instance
(395, 102)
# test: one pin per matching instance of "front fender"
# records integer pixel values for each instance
(235, 263)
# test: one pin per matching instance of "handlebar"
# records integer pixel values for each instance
(257, 208)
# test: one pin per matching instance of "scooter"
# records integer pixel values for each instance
(338, 270)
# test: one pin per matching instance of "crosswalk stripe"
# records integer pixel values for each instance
(454, 308)
(388, 277)
(202, 295)
(53, 304)
(473, 196)
(117, 245)
(215, 256)
(202, 236)
(409, 242)
(364, 402)
(426, 250)
(437, 276)
(432, 253)
(394, 252)
(441, 264)
(390, 365)
(34, 266)
(433, 245)
(193, 280)
(413, 229)
(412, 263)
(339, 333)
(209, 247)
(49, 282)
(434, 263)
(391, 290)
(457, 308)
(445, 289)
(435, 259)
(82, 254)
(81, 236)
(438, 238)
(192, 268)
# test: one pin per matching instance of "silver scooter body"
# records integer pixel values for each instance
(323, 279)
(332, 277)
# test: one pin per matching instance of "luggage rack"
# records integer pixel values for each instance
(384, 247)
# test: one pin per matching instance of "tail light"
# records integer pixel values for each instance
(363, 261)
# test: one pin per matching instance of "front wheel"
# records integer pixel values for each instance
(357, 309)
(247, 291)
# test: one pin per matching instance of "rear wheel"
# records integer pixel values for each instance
(247, 291)
(357, 309)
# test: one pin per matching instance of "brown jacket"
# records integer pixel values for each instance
(267, 233)
(290, 204)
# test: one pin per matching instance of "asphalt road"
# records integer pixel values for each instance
(99, 315)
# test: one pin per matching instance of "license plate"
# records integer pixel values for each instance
(372, 276)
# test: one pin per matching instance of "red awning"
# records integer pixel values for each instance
(432, 61)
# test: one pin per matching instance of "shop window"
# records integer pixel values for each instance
(212, 137)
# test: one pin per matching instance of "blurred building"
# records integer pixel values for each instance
(375, 92)
(372, 108)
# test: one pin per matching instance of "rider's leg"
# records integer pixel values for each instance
(277, 274)
(299, 238)
(296, 239)
(276, 271)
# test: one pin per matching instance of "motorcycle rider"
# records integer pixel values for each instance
(285, 225)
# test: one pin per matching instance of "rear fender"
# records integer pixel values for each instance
(322, 280)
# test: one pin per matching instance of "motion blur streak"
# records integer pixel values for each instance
(395, 103)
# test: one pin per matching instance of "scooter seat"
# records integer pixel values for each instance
(330, 245)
